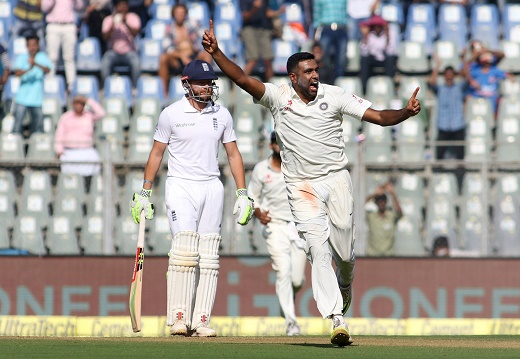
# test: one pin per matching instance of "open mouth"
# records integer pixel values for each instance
(313, 86)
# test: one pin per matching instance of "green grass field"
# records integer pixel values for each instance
(460, 347)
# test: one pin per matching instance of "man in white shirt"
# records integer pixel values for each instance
(192, 129)
(267, 189)
(307, 117)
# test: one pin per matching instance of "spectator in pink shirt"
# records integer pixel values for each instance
(120, 30)
(74, 138)
(61, 31)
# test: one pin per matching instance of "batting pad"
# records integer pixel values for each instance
(208, 275)
(180, 287)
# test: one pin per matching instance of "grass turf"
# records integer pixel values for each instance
(460, 347)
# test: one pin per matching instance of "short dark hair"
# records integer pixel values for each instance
(177, 5)
(380, 197)
(440, 242)
(450, 68)
(32, 36)
(295, 59)
(273, 137)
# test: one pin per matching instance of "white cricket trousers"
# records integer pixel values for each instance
(288, 263)
(323, 211)
(64, 36)
(194, 205)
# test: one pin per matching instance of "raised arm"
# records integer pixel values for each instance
(393, 117)
(249, 84)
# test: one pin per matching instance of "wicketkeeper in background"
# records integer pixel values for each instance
(267, 188)
(192, 129)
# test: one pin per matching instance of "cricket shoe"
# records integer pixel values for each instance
(293, 329)
(340, 335)
(346, 294)
(204, 331)
(179, 328)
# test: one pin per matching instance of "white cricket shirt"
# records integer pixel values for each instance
(193, 139)
(267, 188)
(310, 135)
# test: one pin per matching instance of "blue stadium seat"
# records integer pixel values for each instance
(88, 55)
(453, 26)
(119, 86)
(198, 11)
(10, 89)
(420, 33)
(511, 21)
(156, 29)
(6, 13)
(54, 87)
(485, 24)
(17, 46)
(175, 89)
(422, 13)
(149, 52)
(282, 50)
(160, 11)
(4, 32)
(228, 12)
(86, 86)
(150, 86)
(393, 13)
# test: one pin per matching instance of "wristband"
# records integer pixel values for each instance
(148, 181)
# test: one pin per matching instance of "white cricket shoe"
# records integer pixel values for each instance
(340, 335)
(204, 331)
(293, 329)
(179, 328)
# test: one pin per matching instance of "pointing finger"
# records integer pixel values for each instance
(211, 26)
(415, 92)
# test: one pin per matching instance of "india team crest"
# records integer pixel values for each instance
(324, 106)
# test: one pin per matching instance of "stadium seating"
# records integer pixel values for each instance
(116, 107)
(41, 147)
(61, 237)
(11, 147)
(88, 55)
(86, 85)
(511, 60)
(91, 235)
(159, 235)
(125, 235)
(27, 235)
(149, 52)
(8, 198)
(119, 87)
(485, 24)
(453, 26)
(412, 58)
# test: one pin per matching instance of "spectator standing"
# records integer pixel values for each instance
(450, 110)
(441, 247)
(181, 45)
(256, 35)
(485, 77)
(381, 223)
(267, 189)
(61, 32)
(28, 17)
(120, 30)
(74, 138)
(95, 13)
(31, 68)
(376, 49)
(358, 12)
(330, 21)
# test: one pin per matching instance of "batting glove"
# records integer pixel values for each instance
(244, 206)
(141, 202)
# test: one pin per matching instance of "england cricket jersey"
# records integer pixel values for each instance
(267, 188)
(310, 135)
(193, 139)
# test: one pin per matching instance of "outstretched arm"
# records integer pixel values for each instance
(393, 117)
(249, 84)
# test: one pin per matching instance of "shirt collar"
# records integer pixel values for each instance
(320, 94)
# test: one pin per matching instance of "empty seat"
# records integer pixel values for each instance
(350, 84)
(412, 58)
(508, 139)
(11, 147)
(506, 216)
(198, 12)
(478, 140)
(69, 206)
(410, 193)
(54, 87)
(161, 12)
(448, 54)
(41, 148)
(150, 87)
(353, 57)
(126, 233)
(350, 128)
(27, 235)
(408, 240)
(139, 146)
(52, 111)
(378, 143)
(117, 107)
(424, 14)
(148, 106)
(141, 124)
(228, 11)
(175, 89)
(440, 220)
(120, 87)
(88, 55)
(380, 87)
(421, 34)
(282, 50)
(8, 197)
(91, 235)
(149, 52)
(17, 46)
(156, 29)
(453, 26)
(110, 126)
(485, 24)
(159, 235)
(36, 196)
(61, 237)
(511, 60)
(86, 85)
(411, 140)
(10, 90)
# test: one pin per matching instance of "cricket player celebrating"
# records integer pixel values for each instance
(307, 117)
(267, 188)
(192, 129)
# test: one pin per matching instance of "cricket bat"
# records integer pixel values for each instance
(137, 279)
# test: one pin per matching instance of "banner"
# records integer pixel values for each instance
(393, 288)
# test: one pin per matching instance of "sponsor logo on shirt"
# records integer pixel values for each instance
(288, 106)
(215, 124)
(268, 178)
(357, 99)
(174, 216)
(184, 124)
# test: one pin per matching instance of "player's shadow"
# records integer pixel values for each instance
(317, 345)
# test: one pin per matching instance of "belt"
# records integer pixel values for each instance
(335, 26)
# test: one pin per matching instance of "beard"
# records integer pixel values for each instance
(276, 155)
